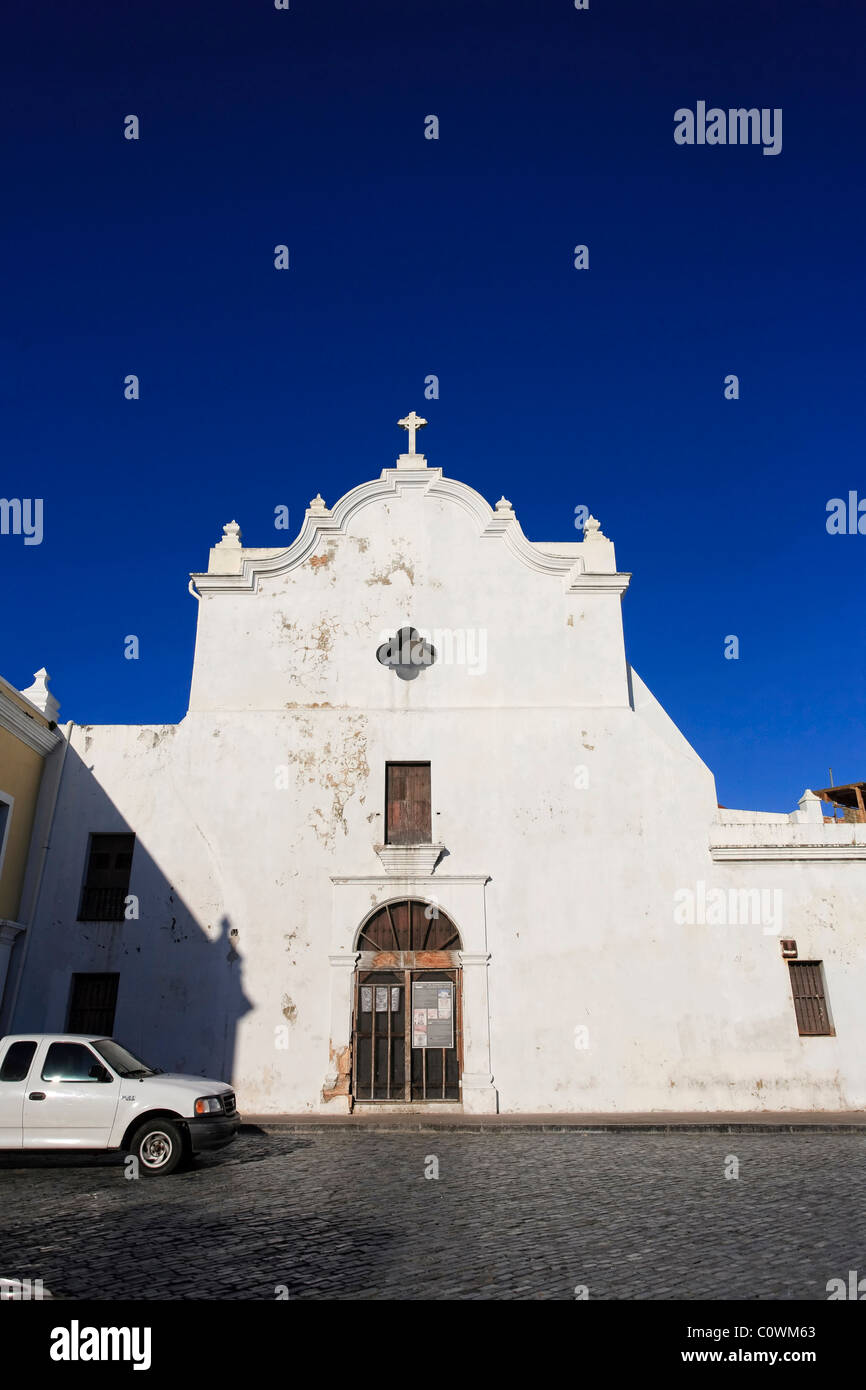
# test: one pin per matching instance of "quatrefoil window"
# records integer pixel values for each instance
(406, 653)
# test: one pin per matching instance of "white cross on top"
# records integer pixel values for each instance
(411, 423)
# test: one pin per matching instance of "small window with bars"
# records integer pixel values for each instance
(810, 999)
(92, 1004)
(106, 885)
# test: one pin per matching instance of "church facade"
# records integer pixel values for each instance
(425, 839)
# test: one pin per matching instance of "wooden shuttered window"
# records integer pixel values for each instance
(407, 804)
(810, 1004)
(106, 886)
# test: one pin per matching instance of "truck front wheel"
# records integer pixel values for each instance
(158, 1145)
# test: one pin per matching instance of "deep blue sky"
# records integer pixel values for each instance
(454, 257)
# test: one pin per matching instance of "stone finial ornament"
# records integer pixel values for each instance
(231, 535)
(504, 507)
(39, 695)
(317, 506)
(811, 808)
(592, 530)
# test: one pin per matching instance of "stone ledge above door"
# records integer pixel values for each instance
(400, 860)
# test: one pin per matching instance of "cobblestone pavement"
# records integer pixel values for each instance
(347, 1215)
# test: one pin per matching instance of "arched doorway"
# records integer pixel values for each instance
(407, 1022)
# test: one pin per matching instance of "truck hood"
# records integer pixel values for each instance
(202, 1085)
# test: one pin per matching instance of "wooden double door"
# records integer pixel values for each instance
(386, 1065)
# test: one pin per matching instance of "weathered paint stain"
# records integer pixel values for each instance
(341, 1069)
(339, 767)
(408, 960)
(433, 959)
(324, 636)
(314, 644)
(288, 1009)
(383, 958)
(398, 566)
(154, 737)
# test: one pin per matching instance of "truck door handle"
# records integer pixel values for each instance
(36, 1095)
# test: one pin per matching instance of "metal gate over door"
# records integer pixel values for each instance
(386, 1065)
(404, 943)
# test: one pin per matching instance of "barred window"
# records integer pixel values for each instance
(92, 1003)
(106, 885)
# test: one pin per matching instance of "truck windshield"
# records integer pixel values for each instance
(123, 1062)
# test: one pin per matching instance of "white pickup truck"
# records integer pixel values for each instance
(72, 1091)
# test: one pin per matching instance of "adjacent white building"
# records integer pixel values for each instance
(425, 838)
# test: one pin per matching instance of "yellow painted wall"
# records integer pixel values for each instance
(20, 775)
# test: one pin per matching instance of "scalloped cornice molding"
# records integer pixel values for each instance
(492, 523)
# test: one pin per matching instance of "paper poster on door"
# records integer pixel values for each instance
(432, 1013)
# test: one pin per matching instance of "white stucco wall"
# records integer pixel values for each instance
(572, 810)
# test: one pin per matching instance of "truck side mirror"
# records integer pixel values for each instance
(100, 1073)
